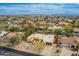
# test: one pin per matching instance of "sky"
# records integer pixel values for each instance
(39, 9)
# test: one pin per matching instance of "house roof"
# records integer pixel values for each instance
(48, 38)
(76, 30)
(3, 33)
(63, 23)
(45, 37)
(76, 38)
(11, 34)
(70, 40)
(55, 27)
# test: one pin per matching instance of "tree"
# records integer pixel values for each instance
(76, 43)
(77, 47)
(73, 54)
(39, 45)
(30, 30)
(58, 32)
(12, 29)
(15, 40)
(58, 50)
(68, 30)
(76, 25)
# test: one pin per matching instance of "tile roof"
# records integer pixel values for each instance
(70, 40)
(76, 30)
(11, 34)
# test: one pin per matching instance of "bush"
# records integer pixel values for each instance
(58, 50)
(30, 30)
(74, 54)
(15, 40)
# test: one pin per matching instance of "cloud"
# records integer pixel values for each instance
(39, 8)
(31, 7)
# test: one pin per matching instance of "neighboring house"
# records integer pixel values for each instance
(63, 23)
(3, 34)
(11, 35)
(55, 27)
(69, 20)
(76, 21)
(68, 42)
(41, 27)
(29, 21)
(50, 24)
(76, 32)
(47, 38)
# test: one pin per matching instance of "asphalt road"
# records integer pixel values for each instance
(12, 52)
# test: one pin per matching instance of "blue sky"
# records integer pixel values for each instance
(39, 8)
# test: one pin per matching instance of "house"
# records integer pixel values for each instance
(50, 24)
(3, 34)
(76, 32)
(55, 27)
(68, 42)
(69, 20)
(11, 34)
(47, 38)
(63, 23)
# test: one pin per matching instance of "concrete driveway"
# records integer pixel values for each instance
(65, 52)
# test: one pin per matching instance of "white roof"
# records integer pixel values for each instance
(48, 38)
(45, 37)
(2, 33)
(34, 36)
(55, 27)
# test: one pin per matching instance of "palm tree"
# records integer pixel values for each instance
(39, 45)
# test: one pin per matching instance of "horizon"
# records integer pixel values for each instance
(55, 9)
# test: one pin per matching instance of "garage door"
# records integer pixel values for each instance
(64, 46)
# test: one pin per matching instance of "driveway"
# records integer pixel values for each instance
(65, 52)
